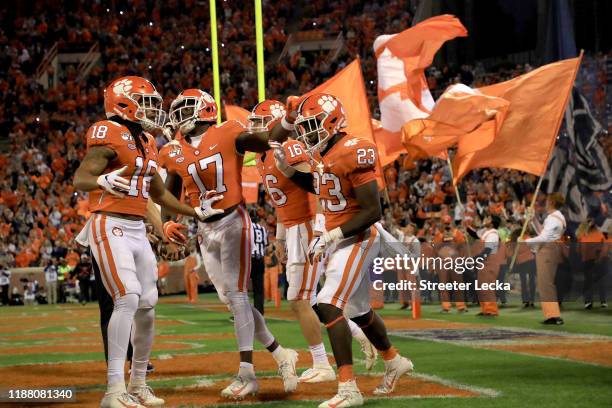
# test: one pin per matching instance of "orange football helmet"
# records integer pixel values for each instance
(135, 99)
(191, 106)
(320, 116)
(266, 114)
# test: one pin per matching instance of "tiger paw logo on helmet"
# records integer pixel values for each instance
(328, 103)
(278, 110)
(208, 98)
(123, 86)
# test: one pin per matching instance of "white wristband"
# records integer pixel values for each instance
(333, 235)
(286, 125)
(319, 223)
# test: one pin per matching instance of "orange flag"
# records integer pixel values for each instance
(413, 50)
(403, 93)
(529, 130)
(250, 184)
(233, 112)
(458, 118)
(348, 86)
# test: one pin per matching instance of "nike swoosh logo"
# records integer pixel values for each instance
(239, 390)
(337, 403)
(213, 146)
(127, 405)
(311, 377)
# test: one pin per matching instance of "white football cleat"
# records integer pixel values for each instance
(144, 394)
(286, 369)
(120, 400)
(368, 350)
(348, 396)
(318, 375)
(394, 369)
(240, 388)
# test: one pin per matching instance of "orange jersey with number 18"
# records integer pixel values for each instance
(293, 204)
(140, 168)
(348, 164)
(213, 165)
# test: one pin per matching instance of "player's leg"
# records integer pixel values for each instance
(143, 329)
(118, 273)
(343, 275)
(303, 278)
(359, 311)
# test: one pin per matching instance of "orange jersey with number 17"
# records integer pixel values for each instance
(293, 204)
(140, 168)
(214, 164)
(348, 164)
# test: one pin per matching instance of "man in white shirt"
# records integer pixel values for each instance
(489, 235)
(51, 281)
(548, 256)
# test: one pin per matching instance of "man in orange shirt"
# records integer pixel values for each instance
(592, 249)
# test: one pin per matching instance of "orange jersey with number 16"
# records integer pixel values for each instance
(348, 164)
(213, 165)
(140, 168)
(293, 204)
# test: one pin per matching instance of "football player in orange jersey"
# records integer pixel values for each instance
(343, 176)
(208, 157)
(297, 222)
(120, 174)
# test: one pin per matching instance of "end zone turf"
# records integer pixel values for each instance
(460, 360)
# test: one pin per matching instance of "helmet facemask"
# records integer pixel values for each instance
(185, 113)
(259, 123)
(311, 133)
(150, 112)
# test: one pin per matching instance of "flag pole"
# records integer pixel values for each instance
(450, 167)
(215, 56)
(462, 229)
(527, 219)
(552, 145)
(261, 86)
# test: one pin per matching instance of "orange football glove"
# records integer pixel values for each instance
(172, 231)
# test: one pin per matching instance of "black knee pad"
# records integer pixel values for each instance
(327, 313)
(363, 320)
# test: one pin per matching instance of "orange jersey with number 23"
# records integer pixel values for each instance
(348, 164)
(214, 164)
(140, 168)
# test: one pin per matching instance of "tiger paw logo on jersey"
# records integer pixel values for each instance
(328, 103)
(118, 232)
(127, 137)
(351, 142)
(122, 87)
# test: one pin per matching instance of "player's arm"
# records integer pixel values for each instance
(258, 141)
(91, 168)
(174, 184)
(154, 217)
(369, 210)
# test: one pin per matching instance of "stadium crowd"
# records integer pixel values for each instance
(40, 212)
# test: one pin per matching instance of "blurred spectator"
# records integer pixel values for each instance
(5, 284)
(51, 281)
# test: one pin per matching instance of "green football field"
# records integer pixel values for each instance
(460, 360)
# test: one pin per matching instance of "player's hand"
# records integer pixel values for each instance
(280, 159)
(293, 102)
(113, 182)
(207, 200)
(316, 249)
(281, 250)
(319, 246)
(172, 231)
